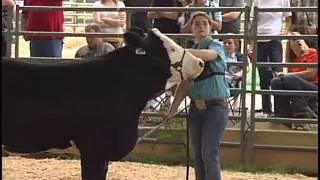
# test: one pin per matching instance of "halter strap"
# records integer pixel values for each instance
(178, 65)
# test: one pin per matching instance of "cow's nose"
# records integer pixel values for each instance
(201, 64)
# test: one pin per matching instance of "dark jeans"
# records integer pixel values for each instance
(4, 46)
(206, 132)
(270, 51)
(46, 48)
(284, 106)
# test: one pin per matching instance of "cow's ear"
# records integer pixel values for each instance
(132, 39)
(137, 30)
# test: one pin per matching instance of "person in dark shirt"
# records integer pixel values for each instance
(231, 20)
(139, 19)
(166, 22)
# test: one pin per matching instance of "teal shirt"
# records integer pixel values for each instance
(214, 87)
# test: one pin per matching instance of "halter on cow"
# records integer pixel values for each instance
(95, 103)
(184, 65)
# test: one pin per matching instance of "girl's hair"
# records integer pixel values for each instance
(288, 52)
(200, 13)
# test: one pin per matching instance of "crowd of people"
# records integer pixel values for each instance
(208, 111)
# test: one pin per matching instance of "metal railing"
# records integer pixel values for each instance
(246, 36)
(253, 119)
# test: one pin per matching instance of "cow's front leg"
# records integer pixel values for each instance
(93, 169)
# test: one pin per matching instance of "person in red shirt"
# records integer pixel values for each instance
(297, 78)
(48, 21)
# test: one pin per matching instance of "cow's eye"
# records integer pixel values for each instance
(172, 49)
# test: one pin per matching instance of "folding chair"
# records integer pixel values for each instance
(233, 82)
(308, 110)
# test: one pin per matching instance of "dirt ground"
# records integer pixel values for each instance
(70, 47)
(17, 168)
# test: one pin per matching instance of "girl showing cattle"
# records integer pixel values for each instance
(208, 115)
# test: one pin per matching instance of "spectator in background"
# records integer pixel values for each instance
(231, 20)
(232, 55)
(270, 23)
(305, 22)
(216, 18)
(139, 19)
(111, 21)
(185, 2)
(96, 47)
(49, 21)
(297, 78)
(234, 73)
(166, 22)
(6, 4)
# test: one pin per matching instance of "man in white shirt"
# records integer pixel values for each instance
(270, 23)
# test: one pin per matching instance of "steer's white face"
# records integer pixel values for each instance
(191, 65)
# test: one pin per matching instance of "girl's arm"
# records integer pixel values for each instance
(204, 54)
(181, 92)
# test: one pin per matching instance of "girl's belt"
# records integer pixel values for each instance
(202, 104)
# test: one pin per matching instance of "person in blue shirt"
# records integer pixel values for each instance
(208, 114)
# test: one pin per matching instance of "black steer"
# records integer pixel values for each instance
(95, 103)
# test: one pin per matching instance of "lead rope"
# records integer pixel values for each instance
(187, 126)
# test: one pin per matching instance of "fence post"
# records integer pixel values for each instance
(74, 16)
(17, 31)
(8, 36)
(243, 134)
(129, 14)
(251, 141)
